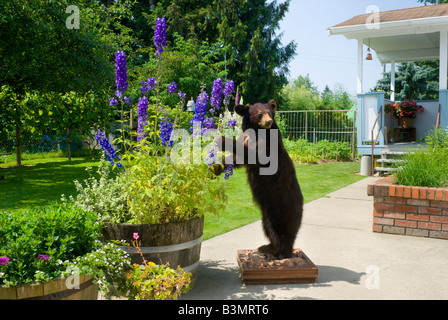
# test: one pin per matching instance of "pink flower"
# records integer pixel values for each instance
(4, 260)
(136, 236)
(43, 256)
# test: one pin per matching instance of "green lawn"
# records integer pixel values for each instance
(44, 180)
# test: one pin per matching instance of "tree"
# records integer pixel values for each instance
(412, 81)
(302, 94)
(253, 55)
(41, 55)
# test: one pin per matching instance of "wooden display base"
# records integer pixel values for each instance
(256, 268)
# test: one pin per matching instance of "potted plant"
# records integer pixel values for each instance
(150, 281)
(159, 189)
(405, 112)
(44, 254)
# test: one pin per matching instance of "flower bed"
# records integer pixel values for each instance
(414, 211)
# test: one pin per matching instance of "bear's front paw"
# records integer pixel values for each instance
(216, 169)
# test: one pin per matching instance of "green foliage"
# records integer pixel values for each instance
(188, 62)
(302, 94)
(412, 82)
(426, 167)
(156, 282)
(303, 151)
(254, 55)
(105, 195)
(40, 53)
(149, 281)
(56, 77)
(161, 191)
(107, 265)
(61, 232)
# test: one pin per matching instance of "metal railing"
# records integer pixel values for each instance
(317, 125)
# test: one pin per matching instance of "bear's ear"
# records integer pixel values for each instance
(241, 109)
(273, 105)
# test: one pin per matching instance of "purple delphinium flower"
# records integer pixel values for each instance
(166, 127)
(121, 76)
(151, 82)
(228, 90)
(201, 106)
(113, 101)
(211, 159)
(128, 100)
(160, 36)
(147, 85)
(215, 100)
(109, 151)
(200, 110)
(172, 88)
(208, 123)
(4, 260)
(228, 170)
(231, 123)
(142, 114)
(43, 257)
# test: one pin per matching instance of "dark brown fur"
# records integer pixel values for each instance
(278, 195)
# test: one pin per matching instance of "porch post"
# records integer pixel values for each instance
(443, 69)
(360, 66)
(443, 74)
(392, 80)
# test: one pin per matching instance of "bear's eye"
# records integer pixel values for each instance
(259, 114)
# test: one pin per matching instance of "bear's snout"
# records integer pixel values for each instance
(266, 122)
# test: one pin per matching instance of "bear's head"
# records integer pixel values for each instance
(258, 116)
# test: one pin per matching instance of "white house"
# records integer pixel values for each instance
(396, 36)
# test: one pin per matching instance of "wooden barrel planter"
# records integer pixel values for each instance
(52, 290)
(178, 243)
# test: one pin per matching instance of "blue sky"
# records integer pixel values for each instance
(331, 60)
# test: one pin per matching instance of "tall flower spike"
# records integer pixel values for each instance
(228, 90)
(142, 114)
(172, 88)
(109, 151)
(215, 100)
(160, 36)
(121, 75)
(200, 109)
(166, 127)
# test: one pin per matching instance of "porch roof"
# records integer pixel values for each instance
(410, 34)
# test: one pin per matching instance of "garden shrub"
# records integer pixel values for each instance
(105, 195)
(426, 167)
(36, 243)
(303, 151)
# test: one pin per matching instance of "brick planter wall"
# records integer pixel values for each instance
(413, 211)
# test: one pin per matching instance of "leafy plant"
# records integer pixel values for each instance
(39, 241)
(105, 195)
(426, 167)
(155, 282)
(107, 265)
(162, 192)
(303, 151)
(156, 188)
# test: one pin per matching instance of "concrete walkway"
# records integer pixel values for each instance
(353, 261)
